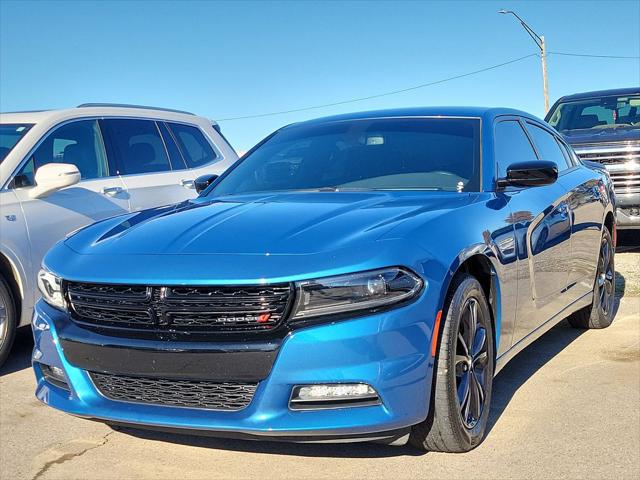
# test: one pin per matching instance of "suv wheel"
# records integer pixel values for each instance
(7, 320)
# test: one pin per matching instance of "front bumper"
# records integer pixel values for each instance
(389, 351)
(628, 210)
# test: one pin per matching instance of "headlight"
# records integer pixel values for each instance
(353, 292)
(50, 287)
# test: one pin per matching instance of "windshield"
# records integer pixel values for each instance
(10, 135)
(369, 154)
(597, 113)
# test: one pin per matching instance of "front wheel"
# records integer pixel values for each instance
(7, 320)
(463, 373)
(600, 313)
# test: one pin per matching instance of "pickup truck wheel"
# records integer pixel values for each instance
(600, 313)
(463, 373)
(7, 320)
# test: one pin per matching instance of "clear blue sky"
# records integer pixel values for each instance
(223, 60)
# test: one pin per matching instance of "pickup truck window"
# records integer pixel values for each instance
(597, 113)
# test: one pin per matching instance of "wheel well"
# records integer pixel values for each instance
(608, 222)
(480, 267)
(6, 271)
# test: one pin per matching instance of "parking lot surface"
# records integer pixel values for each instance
(566, 407)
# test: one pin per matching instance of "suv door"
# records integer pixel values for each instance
(149, 162)
(543, 231)
(99, 194)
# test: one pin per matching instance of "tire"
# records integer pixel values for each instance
(600, 313)
(8, 320)
(444, 430)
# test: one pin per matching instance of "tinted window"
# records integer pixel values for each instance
(194, 147)
(137, 146)
(10, 135)
(177, 161)
(79, 143)
(512, 146)
(547, 146)
(610, 112)
(566, 153)
(383, 154)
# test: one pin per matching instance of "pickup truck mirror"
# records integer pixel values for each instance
(203, 181)
(53, 177)
(530, 174)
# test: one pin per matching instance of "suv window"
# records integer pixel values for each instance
(511, 146)
(79, 143)
(196, 150)
(547, 146)
(136, 146)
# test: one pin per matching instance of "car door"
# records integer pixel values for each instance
(150, 164)
(587, 200)
(98, 195)
(543, 232)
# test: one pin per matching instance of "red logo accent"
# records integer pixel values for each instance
(264, 317)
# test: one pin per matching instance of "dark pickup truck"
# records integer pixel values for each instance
(604, 127)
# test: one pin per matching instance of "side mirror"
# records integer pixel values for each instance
(530, 174)
(53, 177)
(203, 181)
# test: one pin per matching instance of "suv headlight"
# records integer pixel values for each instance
(354, 292)
(50, 287)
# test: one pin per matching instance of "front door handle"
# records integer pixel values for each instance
(111, 191)
(191, 184)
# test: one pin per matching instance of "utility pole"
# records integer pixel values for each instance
(543, 54)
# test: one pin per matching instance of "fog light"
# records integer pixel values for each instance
(54, 375)
(307, 397)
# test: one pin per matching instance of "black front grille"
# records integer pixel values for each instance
(179, 309)
(175, 393)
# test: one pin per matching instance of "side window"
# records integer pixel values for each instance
(547, 146)
(196, 150)
(137, 146)
(79, 143)
(511, 146)
(177, 161)
(566, 153)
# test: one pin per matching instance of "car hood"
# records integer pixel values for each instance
(282, 224)
(605, 135)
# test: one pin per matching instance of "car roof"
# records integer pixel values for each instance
(601, 93)
(486, 113)
(98, 110)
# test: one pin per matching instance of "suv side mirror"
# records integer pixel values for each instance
(53, 177)
(203, 181)
(530, 174)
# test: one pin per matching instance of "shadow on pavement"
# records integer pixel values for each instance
(20, 356)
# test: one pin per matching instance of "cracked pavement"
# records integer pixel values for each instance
(566, 407)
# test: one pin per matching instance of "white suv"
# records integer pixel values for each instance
(63, 169)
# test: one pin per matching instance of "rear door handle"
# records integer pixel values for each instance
(111, 191)
(188, 183)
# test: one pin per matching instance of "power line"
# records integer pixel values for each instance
(593, 56)
(394, 92)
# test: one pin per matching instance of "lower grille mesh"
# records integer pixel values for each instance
(175, 393)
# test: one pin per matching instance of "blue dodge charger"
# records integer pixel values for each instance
(356, 277)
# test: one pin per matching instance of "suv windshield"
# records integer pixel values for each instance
(10, 135)
(369, 154)
(597, 113)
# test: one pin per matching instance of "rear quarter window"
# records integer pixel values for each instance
(195, 148)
